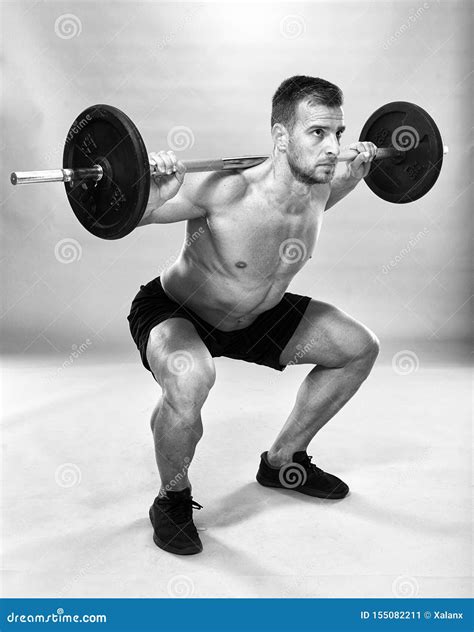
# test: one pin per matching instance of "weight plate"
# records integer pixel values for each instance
(408, 127)
(112, 207)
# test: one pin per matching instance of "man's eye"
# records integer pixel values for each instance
(318, 132)
(339, 134)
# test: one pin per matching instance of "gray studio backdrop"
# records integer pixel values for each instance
(199, 77)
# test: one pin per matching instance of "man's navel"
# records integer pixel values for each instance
(240, 264)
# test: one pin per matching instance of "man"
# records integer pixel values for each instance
(248, 233)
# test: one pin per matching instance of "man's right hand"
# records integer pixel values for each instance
(168, 179)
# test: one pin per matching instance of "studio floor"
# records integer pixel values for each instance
(78, 477)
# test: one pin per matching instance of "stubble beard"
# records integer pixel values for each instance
(302, 175)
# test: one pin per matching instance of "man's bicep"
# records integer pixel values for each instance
(200, 195)
(181, 207)
(178, 209)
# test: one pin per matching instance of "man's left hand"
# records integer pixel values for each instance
(359, 167)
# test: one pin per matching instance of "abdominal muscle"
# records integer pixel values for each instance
(224, 302)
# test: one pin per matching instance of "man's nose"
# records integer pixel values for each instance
(332, 147)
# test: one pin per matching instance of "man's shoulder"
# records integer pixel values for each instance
(216, 189)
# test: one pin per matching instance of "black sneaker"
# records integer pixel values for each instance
(301, 476)
(172, 520)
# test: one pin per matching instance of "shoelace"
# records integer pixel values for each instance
(182, 510)
(312, 467)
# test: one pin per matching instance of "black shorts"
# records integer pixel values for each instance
(261, 342)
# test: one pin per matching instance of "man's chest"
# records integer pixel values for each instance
(254, 236)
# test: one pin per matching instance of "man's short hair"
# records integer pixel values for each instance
(299, 88)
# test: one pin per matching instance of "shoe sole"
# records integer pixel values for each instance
(169, 548)
(307, 492)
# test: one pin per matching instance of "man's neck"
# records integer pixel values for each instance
(284, 190)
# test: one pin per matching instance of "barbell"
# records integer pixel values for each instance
(107, 172)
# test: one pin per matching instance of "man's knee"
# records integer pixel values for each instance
(366, 351)
(181, 364)
(187, 390)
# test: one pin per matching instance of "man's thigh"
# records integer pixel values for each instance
(175, 348)
(327, 336)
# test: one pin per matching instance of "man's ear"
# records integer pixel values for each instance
(280, 137)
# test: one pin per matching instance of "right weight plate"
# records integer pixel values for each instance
(405, 126)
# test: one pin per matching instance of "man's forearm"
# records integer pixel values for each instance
(340, 187)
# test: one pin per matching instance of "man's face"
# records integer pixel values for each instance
(313, 144)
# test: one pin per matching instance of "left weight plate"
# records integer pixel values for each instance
(112, 207)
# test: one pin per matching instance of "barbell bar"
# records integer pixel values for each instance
(219, 164)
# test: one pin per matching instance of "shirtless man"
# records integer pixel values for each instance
(248, 233)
